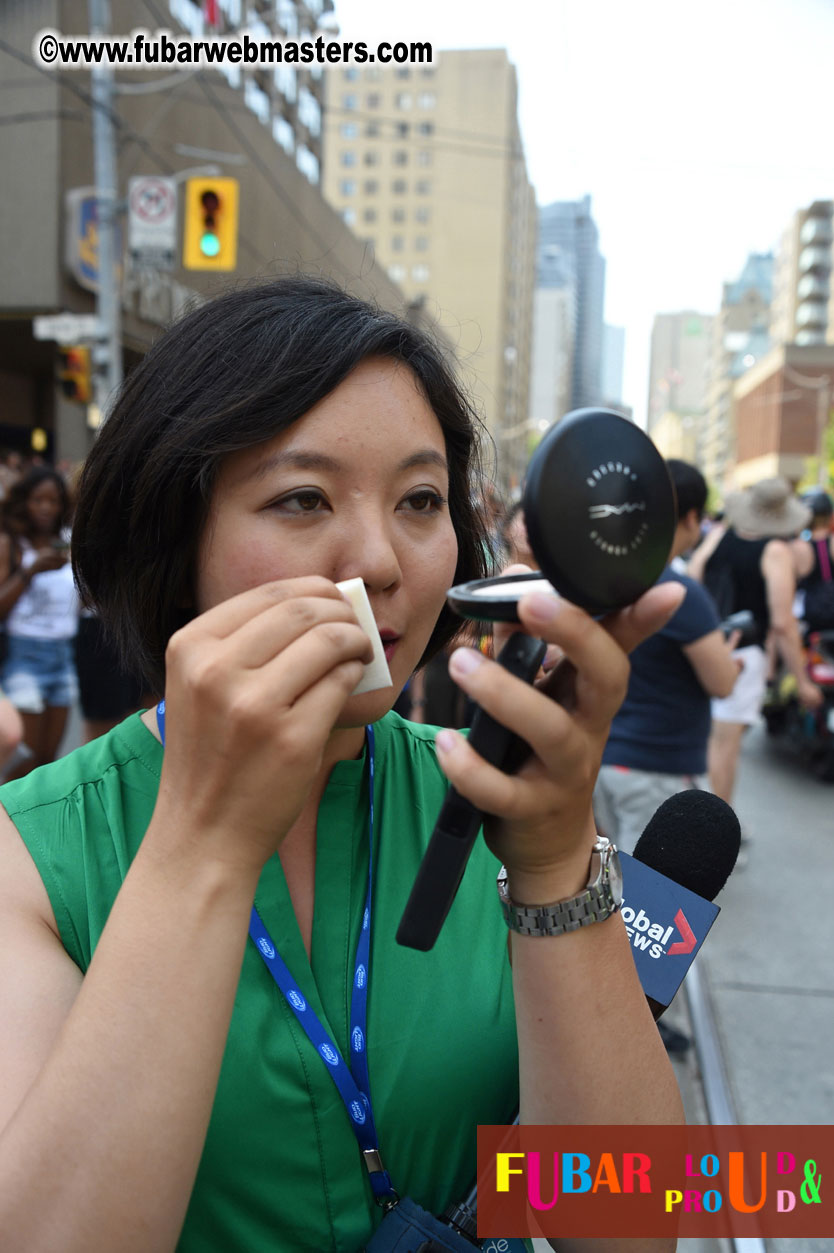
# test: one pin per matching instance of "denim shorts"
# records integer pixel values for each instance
(37, 673)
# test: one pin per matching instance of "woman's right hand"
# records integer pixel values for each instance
(253, 690)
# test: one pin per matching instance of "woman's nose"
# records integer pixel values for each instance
(372, 557)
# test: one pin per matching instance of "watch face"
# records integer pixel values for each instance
(615, 876)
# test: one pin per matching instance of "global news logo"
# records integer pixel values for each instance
(653, 938)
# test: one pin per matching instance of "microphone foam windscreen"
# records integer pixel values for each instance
(693, 838)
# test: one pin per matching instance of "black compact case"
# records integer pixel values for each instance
(600, 511)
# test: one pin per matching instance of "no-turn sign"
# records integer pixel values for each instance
(152, 218)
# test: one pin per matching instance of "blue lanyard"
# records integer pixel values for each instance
(351, 1080)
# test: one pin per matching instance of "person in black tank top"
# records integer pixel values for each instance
(748, 565)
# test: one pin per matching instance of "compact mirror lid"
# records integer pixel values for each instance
(600, 510)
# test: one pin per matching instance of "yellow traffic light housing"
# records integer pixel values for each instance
(211, 215)
(75, 374)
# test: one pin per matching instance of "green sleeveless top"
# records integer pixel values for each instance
(281, 1170)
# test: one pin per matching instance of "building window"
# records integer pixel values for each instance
(403, 100)
(400, 157)
(283, 134)
(397, 243)
(420, 273)
(373, 100)
(349, 101)
(399, 186)
(350, 74)
(347, 187)
(402, 71)
(348, 216)
(308, 163)
(371, 157)
(372, 130)
(401, 130)
(426, 100)
(285, 80)
(424, 157)
(422, 187)
(348, 130)
(397, 273)
(421, 243)
(422, 213)
(348, 158)
(398, 214)
(425, 128)
(309, 111)
(370, 215)
(370, 187)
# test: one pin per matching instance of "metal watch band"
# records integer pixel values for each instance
(599, 900)
(581, 911)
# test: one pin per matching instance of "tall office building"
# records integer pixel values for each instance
(803, 300)
(425, 164)
(613, 357)
(568, 254)
(739, 340)
(678, 365)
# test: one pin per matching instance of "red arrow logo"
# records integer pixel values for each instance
(688, 942)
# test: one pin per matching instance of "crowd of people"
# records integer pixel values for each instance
(158, 1093)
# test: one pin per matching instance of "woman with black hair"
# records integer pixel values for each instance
(39, 608)
(159, 1092)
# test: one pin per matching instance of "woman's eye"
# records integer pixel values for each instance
(425, 501)
(300, 502)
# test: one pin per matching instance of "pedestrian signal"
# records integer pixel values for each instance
(211, 212)
(75, 374)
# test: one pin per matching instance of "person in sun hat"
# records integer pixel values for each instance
(747, 564)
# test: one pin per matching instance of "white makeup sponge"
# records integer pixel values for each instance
(376, 674)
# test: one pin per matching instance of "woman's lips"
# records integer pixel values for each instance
(388, 646)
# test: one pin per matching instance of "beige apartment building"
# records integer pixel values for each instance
(425, 164)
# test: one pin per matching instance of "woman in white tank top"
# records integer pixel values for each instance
(39, 609)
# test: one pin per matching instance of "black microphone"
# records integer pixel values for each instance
(693, 839)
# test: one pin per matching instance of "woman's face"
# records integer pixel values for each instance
(356, 489)
(43, 507)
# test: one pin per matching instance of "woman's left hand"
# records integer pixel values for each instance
(542, 824)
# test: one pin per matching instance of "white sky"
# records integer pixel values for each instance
(697, 128)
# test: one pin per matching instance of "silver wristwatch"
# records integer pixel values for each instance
(602, 897)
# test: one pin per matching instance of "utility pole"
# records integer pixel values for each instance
(107, 353)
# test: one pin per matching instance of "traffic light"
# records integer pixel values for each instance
(211, 209)
(75, 374)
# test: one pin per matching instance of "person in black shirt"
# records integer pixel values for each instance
(747, 564)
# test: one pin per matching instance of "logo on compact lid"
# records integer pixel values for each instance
(619, 526)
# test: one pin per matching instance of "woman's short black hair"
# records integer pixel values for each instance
(15, 518)
(232, 374)
(690, 487)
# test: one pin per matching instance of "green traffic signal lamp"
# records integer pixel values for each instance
(210, 221)
(209, 240)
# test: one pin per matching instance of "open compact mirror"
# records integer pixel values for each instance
(600, 511)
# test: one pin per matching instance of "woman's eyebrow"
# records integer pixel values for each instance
(299, 460)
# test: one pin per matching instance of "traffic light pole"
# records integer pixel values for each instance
(108, 351)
